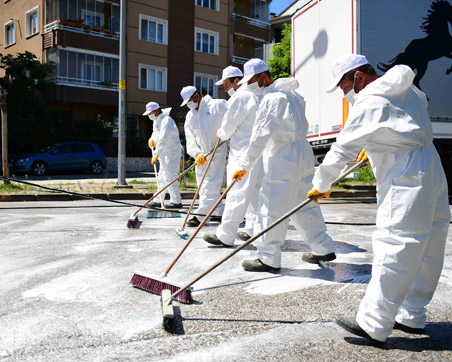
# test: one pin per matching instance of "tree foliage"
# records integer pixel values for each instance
(279, 63)
(28, 116)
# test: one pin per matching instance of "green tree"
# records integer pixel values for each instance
(279, 63)
(28, 116)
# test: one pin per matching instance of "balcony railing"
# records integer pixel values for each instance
(85, 83)
(255, 22)
(239, 60)
(80, 28)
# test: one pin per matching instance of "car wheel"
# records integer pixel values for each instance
(96, 167)
(39, 168)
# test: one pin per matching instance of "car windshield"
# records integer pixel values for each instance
(47, 148)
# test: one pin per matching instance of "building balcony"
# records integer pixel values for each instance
(85, 83)
(80, 27)
(251, 21)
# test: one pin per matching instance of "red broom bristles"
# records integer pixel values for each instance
(156, 287)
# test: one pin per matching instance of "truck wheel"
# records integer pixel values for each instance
(39, 168)
(96, 167)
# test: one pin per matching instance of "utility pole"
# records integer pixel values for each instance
(4, 111)
(122, 101)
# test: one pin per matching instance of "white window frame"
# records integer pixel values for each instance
(217, 4)
(156, 68)
(209, 33)
(208, 76)
(5, 40)
(157, 21)
(29, 13)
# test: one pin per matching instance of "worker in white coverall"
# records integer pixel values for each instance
(167, 150)
(389, 119)
(237, 126)
(201, 126)
(279, 136)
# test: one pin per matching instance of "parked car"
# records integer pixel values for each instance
(65, 156)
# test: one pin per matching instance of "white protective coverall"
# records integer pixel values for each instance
(279, 135)
(390, 121)
(201, 128)
(168, 147)
(237, 126)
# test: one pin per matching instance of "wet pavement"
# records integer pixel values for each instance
(65, 269)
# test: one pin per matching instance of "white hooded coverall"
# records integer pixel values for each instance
(237, 126)
(279, 135)
(390, 121)
(168, 147)
(201, 128)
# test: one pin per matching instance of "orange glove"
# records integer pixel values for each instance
(321, 195)
(154, 159)
(362, 156)
(151, 144)
(200, 160)
(238, 174)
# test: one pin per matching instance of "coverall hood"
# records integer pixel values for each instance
(286, 84)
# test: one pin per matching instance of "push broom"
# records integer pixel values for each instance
(154, 284)
(152, 214)
(168, 295)
(133, 219)
(181, 231)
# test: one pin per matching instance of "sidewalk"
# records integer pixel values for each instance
(138, 184)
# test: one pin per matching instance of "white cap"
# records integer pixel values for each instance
(150, 107)
(186, 93)
(344, 64)
(230, 72)
(251, 67)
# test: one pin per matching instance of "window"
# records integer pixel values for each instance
(153, 29)
(31, 21)
(211, 4)
(86, 69)
(206, 41)
(205, 83)
(152, 78)
(10, 33)
(83, 147)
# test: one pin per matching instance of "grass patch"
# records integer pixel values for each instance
(137, 182)
(365, 176)
(5, 188)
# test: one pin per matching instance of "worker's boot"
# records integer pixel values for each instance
(243, 236)
(193, 222)
(315, 259)
(212, 239)
(407, 329)
(258, 266)
(351, 325)
(172, 205)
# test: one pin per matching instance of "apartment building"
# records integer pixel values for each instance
(170, 44)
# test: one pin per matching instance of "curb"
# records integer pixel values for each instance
(186, 195)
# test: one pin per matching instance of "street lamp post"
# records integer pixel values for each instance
(122, 95)
(4, 111)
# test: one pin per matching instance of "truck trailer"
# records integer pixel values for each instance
(417, 33)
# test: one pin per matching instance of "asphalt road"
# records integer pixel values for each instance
(65, 269)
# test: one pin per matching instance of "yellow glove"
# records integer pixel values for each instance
(238, 174)
(314, 192)
(151, 144)
(362, 156)
(200, 160)
(154, 159)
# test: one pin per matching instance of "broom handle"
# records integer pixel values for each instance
(157, 179)
(200, 184)
(177, 178)
(223, 195)
(271, 226)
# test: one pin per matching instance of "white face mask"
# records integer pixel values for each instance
(253, 87)
(231, 91)
(152, 117)
(351, 94)
(192, 105)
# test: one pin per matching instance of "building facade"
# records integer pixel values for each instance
(170, 44)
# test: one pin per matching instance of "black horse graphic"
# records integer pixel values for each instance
(437, 43)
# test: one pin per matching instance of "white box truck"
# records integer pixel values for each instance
(388, 32)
